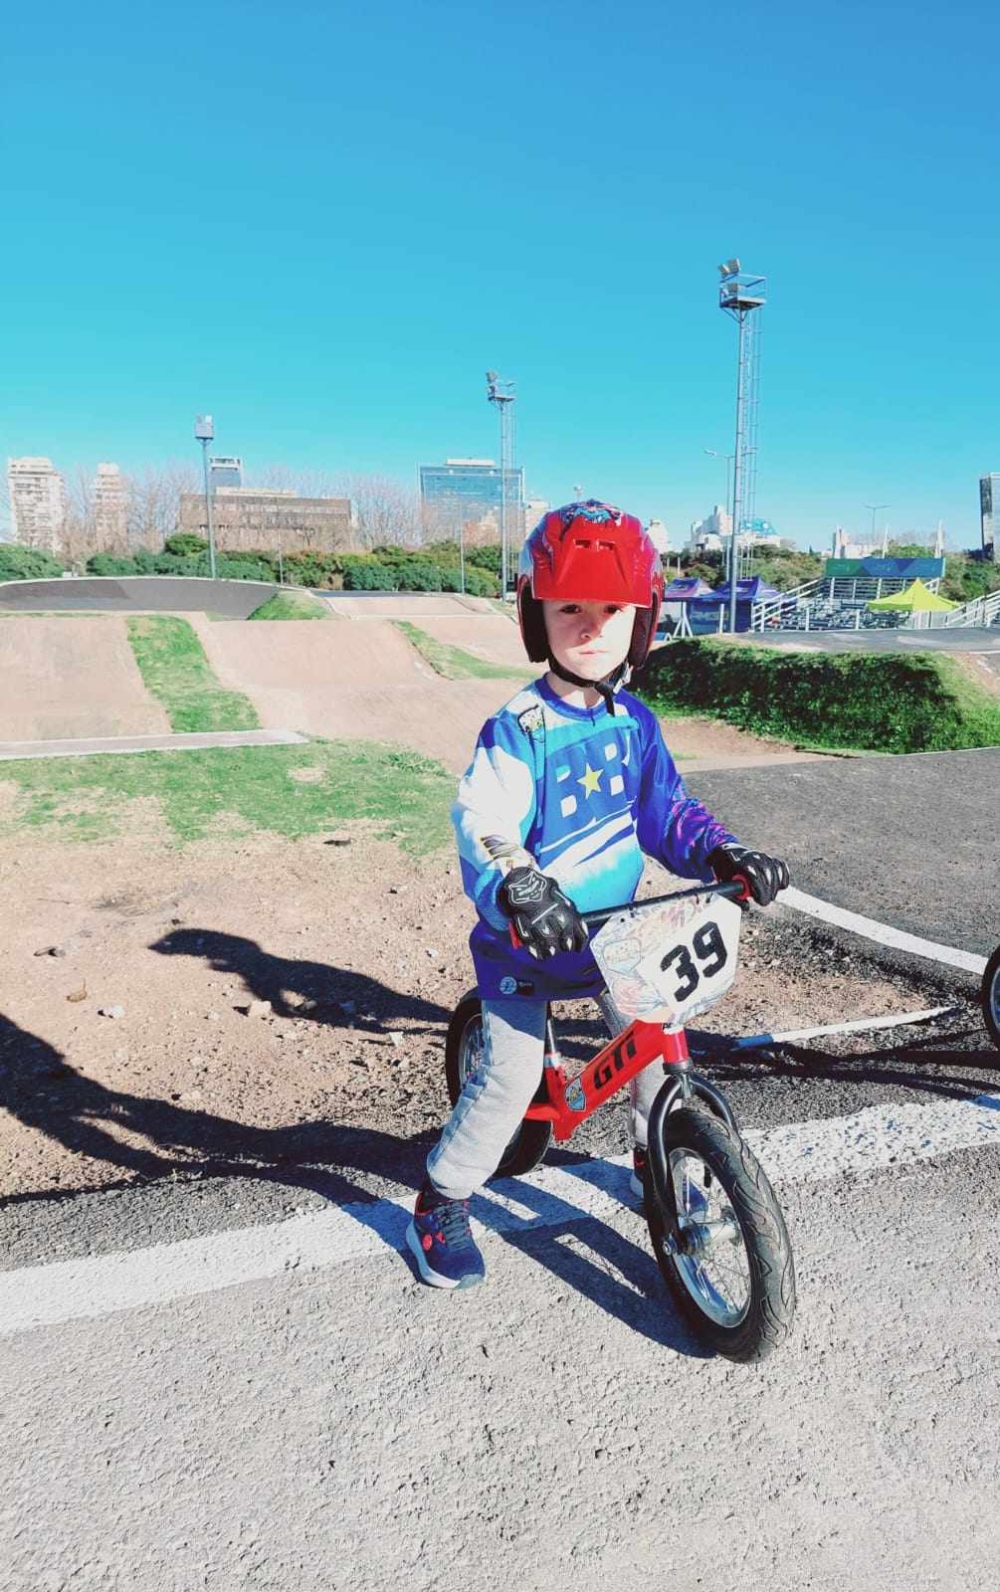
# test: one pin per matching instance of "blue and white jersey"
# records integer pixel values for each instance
(585, 793)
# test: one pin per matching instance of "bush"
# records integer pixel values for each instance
(27, 563)
(362, 573)
(314, 569)
(110, 564)
(917, 703)
(480, 583)
(185, 544)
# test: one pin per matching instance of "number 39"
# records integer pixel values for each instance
(709, 948)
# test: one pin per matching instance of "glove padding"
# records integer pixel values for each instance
(764, 875)
(545, 920)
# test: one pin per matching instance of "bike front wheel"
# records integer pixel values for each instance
(719, 1236)
(463, 1057)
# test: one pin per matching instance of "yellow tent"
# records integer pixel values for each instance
(916, 599)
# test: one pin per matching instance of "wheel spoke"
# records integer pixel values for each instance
(712, 1259)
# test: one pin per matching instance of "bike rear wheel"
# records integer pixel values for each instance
(463, 1055)
(719, 1236)
(991, 996)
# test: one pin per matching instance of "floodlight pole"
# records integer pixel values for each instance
(739, 295)
(204, 432)
(501, 394)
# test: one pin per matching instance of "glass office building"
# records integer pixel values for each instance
(989, 510)
(464, 492)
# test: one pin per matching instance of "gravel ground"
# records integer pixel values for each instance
(173, 1012)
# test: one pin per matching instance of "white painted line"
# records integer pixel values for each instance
(882, 933)
(68, 1290)
(856, 1025)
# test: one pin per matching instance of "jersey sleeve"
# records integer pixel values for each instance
(673, 827)
(493, 812)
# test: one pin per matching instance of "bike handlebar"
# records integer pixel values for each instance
(734, 889)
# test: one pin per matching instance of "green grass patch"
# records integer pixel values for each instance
(175, 671)
(225, 792)
(292, 605)
(917, 702)
(453, 663)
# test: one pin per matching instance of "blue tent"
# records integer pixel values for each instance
(684, 590)
(752, 590)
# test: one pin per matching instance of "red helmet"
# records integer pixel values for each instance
(589, 552)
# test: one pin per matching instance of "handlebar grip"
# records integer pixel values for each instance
(736, 889)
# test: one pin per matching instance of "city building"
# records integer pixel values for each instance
(110, 510)
(989, 509)
(534, 510)
(712, 533)
(246, 517)
(845, 547)
(225, 472)
(37, 503)
(466, 493)
(659, 536)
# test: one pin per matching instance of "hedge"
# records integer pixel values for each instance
(920, 702)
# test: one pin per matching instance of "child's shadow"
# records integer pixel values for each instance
(619, 1276)
(310, 991)
(39, 1088)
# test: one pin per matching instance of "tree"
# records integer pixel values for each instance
(383, 510)
(153, 499)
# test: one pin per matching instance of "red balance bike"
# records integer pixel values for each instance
(717, 1230)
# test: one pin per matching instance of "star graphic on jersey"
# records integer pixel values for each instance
(590, 780)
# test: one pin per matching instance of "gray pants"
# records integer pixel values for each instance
(493, 1102)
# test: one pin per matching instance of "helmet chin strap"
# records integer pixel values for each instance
(606, 688)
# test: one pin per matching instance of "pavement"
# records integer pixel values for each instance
(308, 1416)
(92, 746)
(910, 840)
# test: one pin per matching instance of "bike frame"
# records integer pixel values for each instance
(570, 1101)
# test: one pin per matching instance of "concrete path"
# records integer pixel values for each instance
(93, 746)
(327, 1424)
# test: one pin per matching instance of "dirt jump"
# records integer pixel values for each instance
(71, 678)
(352, 681)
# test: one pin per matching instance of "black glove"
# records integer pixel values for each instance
(545, 920)
(764, 875)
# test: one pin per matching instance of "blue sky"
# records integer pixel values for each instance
(322, 223)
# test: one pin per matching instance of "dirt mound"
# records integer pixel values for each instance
(406, 605)
(66, 679)
(341, 682)
(488, 636)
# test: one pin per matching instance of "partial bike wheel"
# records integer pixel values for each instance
(463, 1056)
(991, 996)
(719, 1236)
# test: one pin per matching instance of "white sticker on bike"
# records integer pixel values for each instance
(666, 963)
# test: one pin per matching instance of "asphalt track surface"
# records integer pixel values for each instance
(233, 599)
(911, 841)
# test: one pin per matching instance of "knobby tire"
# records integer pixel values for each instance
(767, 1320)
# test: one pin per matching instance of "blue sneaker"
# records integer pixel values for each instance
(442, 1242)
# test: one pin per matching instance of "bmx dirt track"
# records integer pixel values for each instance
(71, 677)
(352, 680)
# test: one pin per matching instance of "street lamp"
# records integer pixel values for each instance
(733, 556)
(875, 508)
(204, 432)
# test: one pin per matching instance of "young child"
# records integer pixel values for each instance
(569, 785)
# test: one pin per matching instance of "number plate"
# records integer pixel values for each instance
(666, 963)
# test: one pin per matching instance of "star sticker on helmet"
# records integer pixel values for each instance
(590, 780)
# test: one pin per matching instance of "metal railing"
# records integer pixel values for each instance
(981, 611)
